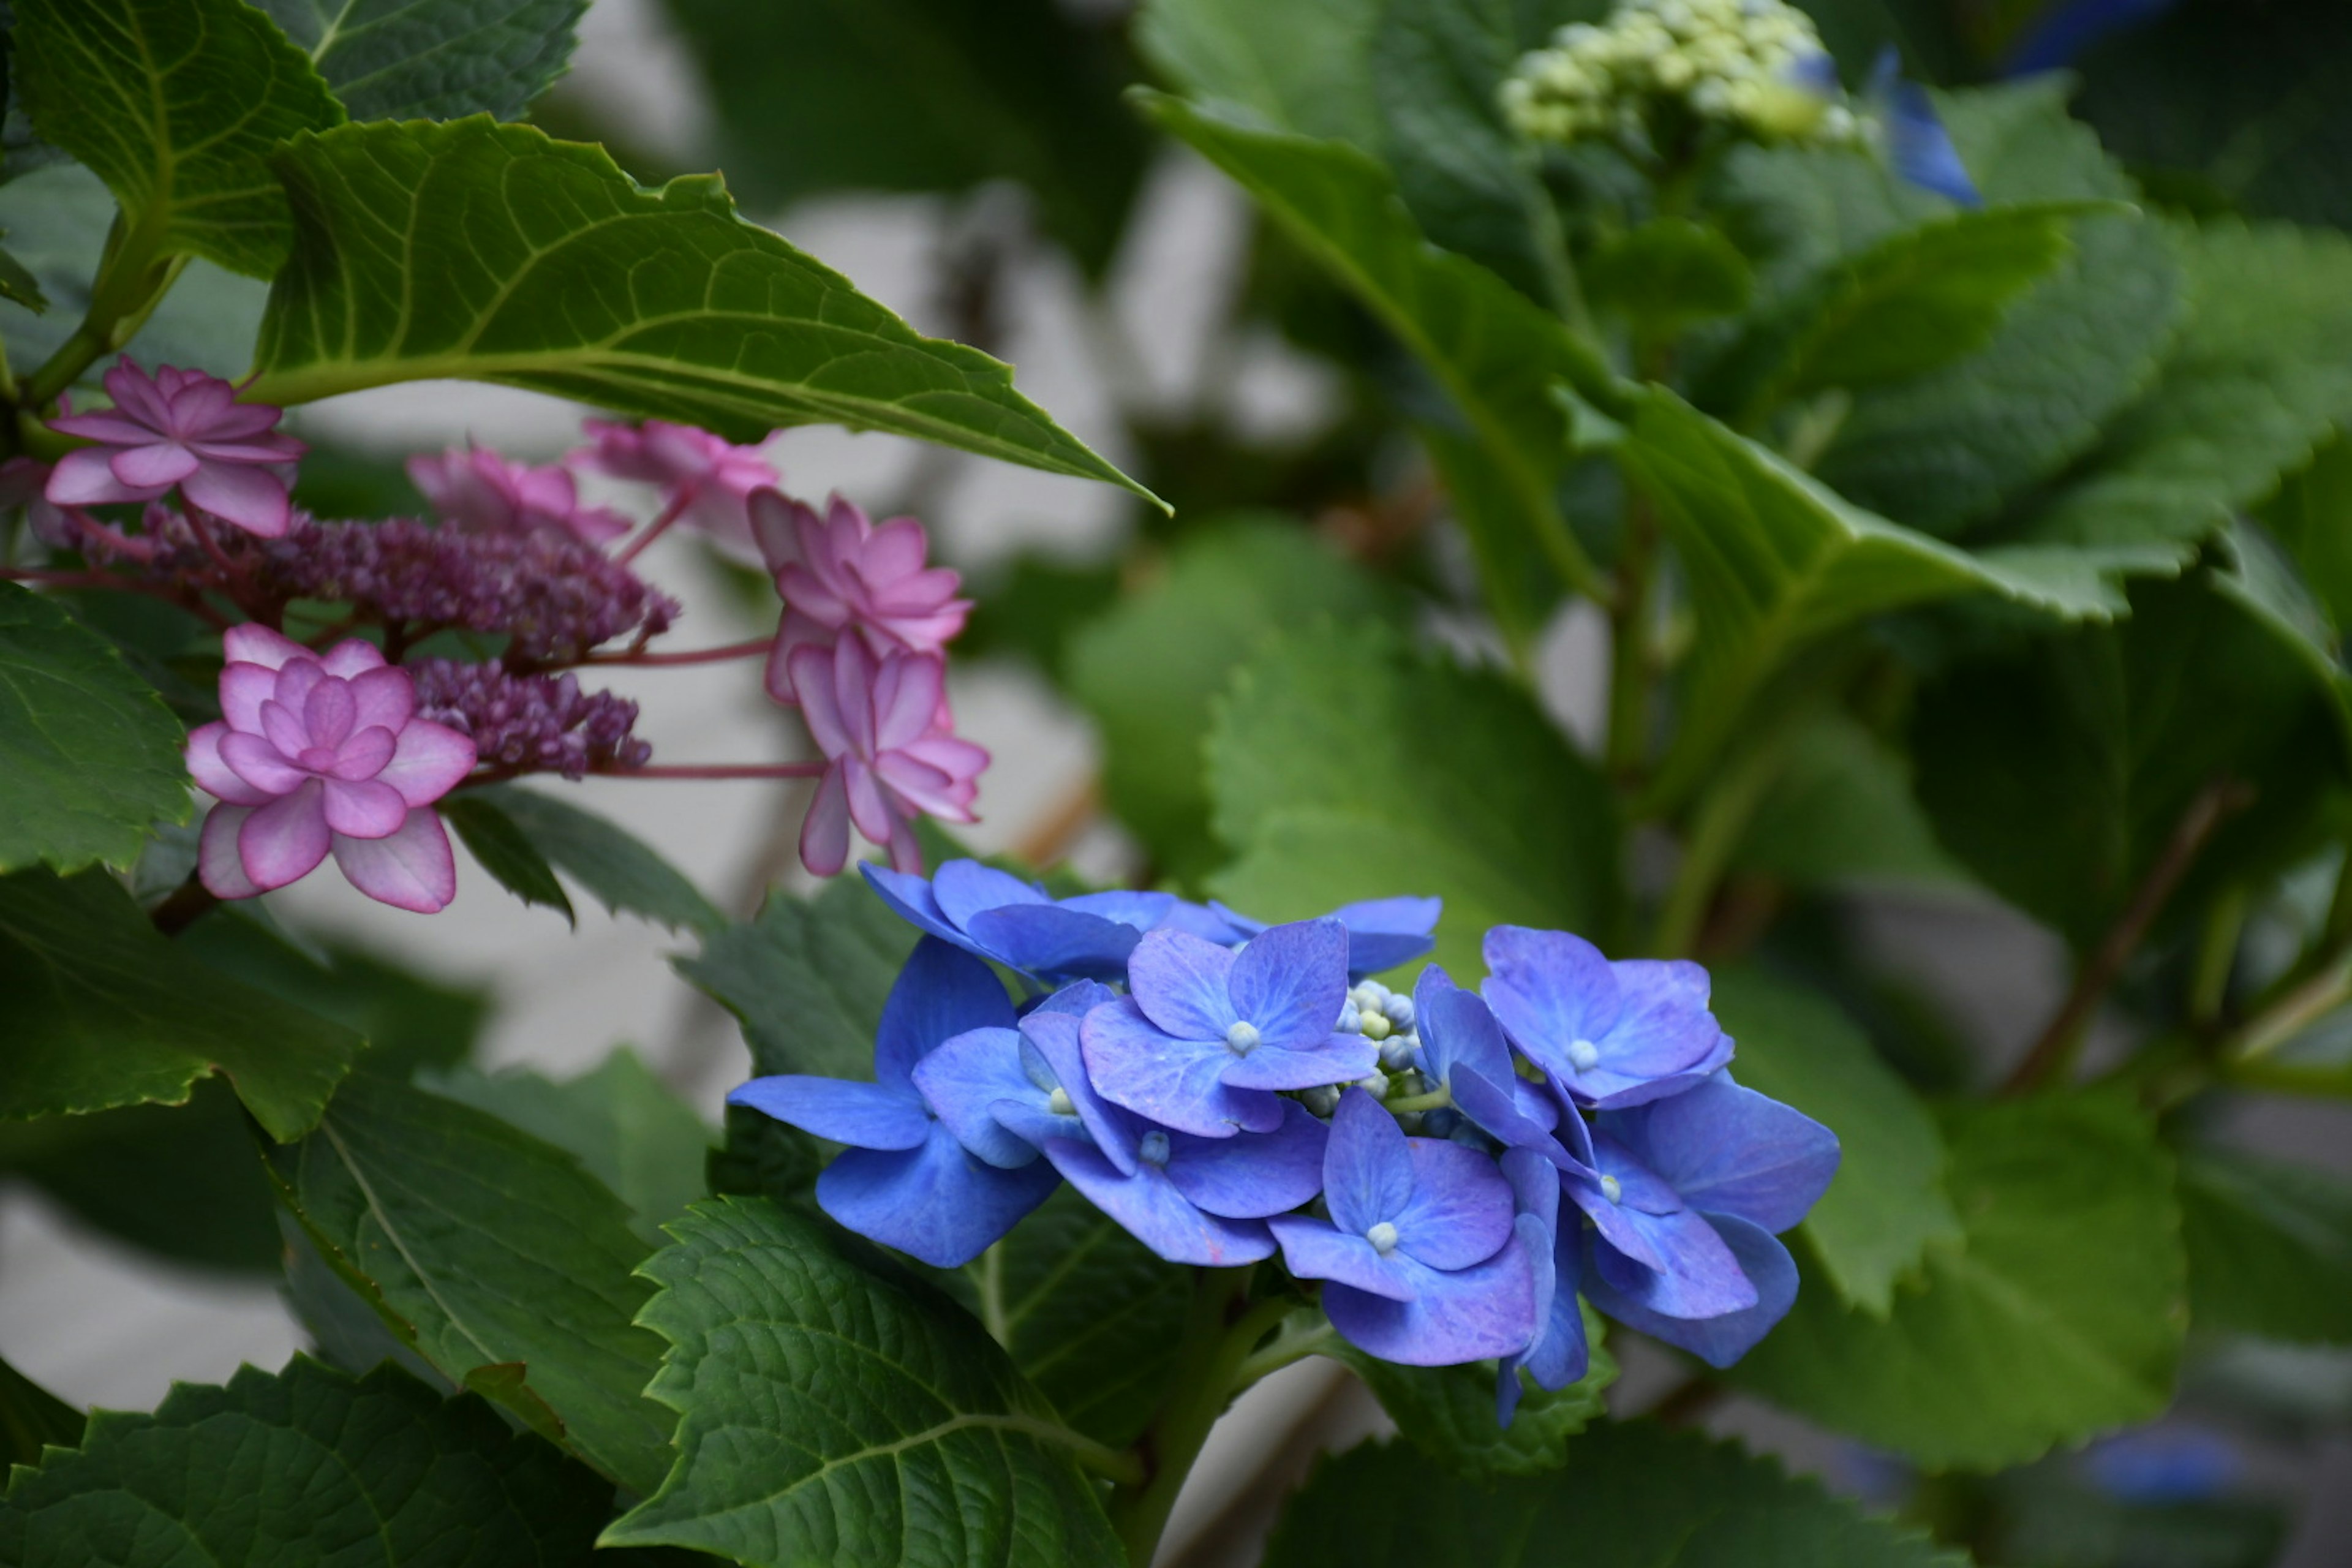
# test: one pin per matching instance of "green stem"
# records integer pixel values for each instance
(2279, 1078)
(1286, 1349)
(2217, 954)
(132, 279)
(1715, 830)
(1220, 1330)
(2291, 1013)
(1437, 1099)
(1629, 648)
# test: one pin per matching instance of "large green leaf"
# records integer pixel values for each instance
(1776, 562)
(2311, 517)
(808, 979)
(1345, 766)
(2060, 770)
(1632, 1496)
(1501, 358)
(491, 252)
(89, 757)
(828, 1413)
(630, 1129)
(176, 103)
(500, 848)
(2270, 1248)
(1887, 1205)
(31, 1418)
(2059, 1315)
(308, 1468)
(103, 1011)
(494, 1257)
(620, 869)
(1448, 1411)
(433, 59)
(1148, 670)
(1090, 1316)
(1840, 810)
(924, 95)
(1304, 66)
(2259, 377)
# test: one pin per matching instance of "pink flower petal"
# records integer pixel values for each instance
(364, 808)
(353, 657)
(241, 420)
(217, 864)
(771, 513)
(285, 840)
(243, 687)
(383, 696)
(253, 643)
(83, 478)
(812, 677)
(411, 869)
(159, 466)
(906, 695)
(896, 550)
(252, 498)
(906, 850)
(866, 807)
(327, 713)
(854, 669)
(106, 425)
(427, 761)
(215, 776)
(260, 764)
(364, 755)
(298, 680)
(282, 727)
(136, 394)
(265, 451)
(824, 832)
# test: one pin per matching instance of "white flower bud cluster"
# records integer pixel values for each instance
(1385, 1017)
(1756, 67)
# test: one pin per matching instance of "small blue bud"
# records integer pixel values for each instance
(1400, 1010)
(1152, 1148)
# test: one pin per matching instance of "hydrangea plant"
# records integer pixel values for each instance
(1764, 494)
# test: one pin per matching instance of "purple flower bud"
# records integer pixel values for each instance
(531, 723)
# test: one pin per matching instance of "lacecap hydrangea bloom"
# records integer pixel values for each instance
(184, 430)
(1447, 1172)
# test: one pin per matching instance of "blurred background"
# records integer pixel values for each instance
(969, 162)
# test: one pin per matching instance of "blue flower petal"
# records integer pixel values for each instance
(909, 898)
(1174, 1082)
(866, 1115)
(1054, 1036)
(1728, 1149)
(1204, 921)
(1144, 911)
(1036, 1125)
(1180, 983)
(1723, 1338)
(1548, 989)
(1055, 943)
(1367, 1166)
(1700, 1278)
(967, 888)
(1460, 1210)
(1252, 1175)
(941, 991)
(1339, 1059)
(934, 1202)
(1918, 149)
(964, 1078)
(1151, 1209)
(1473, 1315)
(1290, 981)
(1316, 1249)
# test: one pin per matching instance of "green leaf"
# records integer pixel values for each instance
(1090, 1316)
(1305, 66)
(104, 1012)
(2312, 517)
(808, 979)
(1517, 577)
(89, 757)
(827, 1412)
(1500, 357)
(2259, 377)
(481, 1247)
(501, 849)
(1888, 1203)
(18, 283)
(491, 252)
(924, 95)
(1667, 273)
(310, 1467)
(1840, 811)
(1632, 1496)
(620, 869)
(2058, 771)
(1448, 1411)
(1776, 562)
(630, 1129)
(2270, 1248)
(1916, 300)
(176, 103)
(1148, 670)
(433, 59)
(1346, 767)
(2059, 1315)
(31, 1417)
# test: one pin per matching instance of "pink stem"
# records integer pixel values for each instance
(752, 648)
(658, 527)
(723, 771)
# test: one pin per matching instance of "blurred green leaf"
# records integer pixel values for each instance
(2061, 1313)
(630, 1129)
(1633, 1495)
(501, 847)
(32, 1417)
(1448, 1411)
(89, 757)
(2312, 517)
(808, 979)
(538, 264)
(1667, 273)
(924, 95)
(1840, 811)
(826, 1410)
(481, 1248)
(1887, 1205)
(1344, 766)
(1305, 66)
(175, 105)
(617, 866)
(2270, 1248)
(18, 283)
(1149, 668)
(103, 1011)
(433, 59)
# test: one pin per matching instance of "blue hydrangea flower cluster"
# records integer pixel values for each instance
(1451, 1169)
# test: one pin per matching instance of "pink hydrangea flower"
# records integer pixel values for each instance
(889, 751)
(315, 753)
(486, 493)
(708, 478)
(840, 574)
(24, 482)
(180, 427)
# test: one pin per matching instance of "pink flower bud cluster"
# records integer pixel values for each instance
(484, 493)
(862, 650)
(531, 723)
